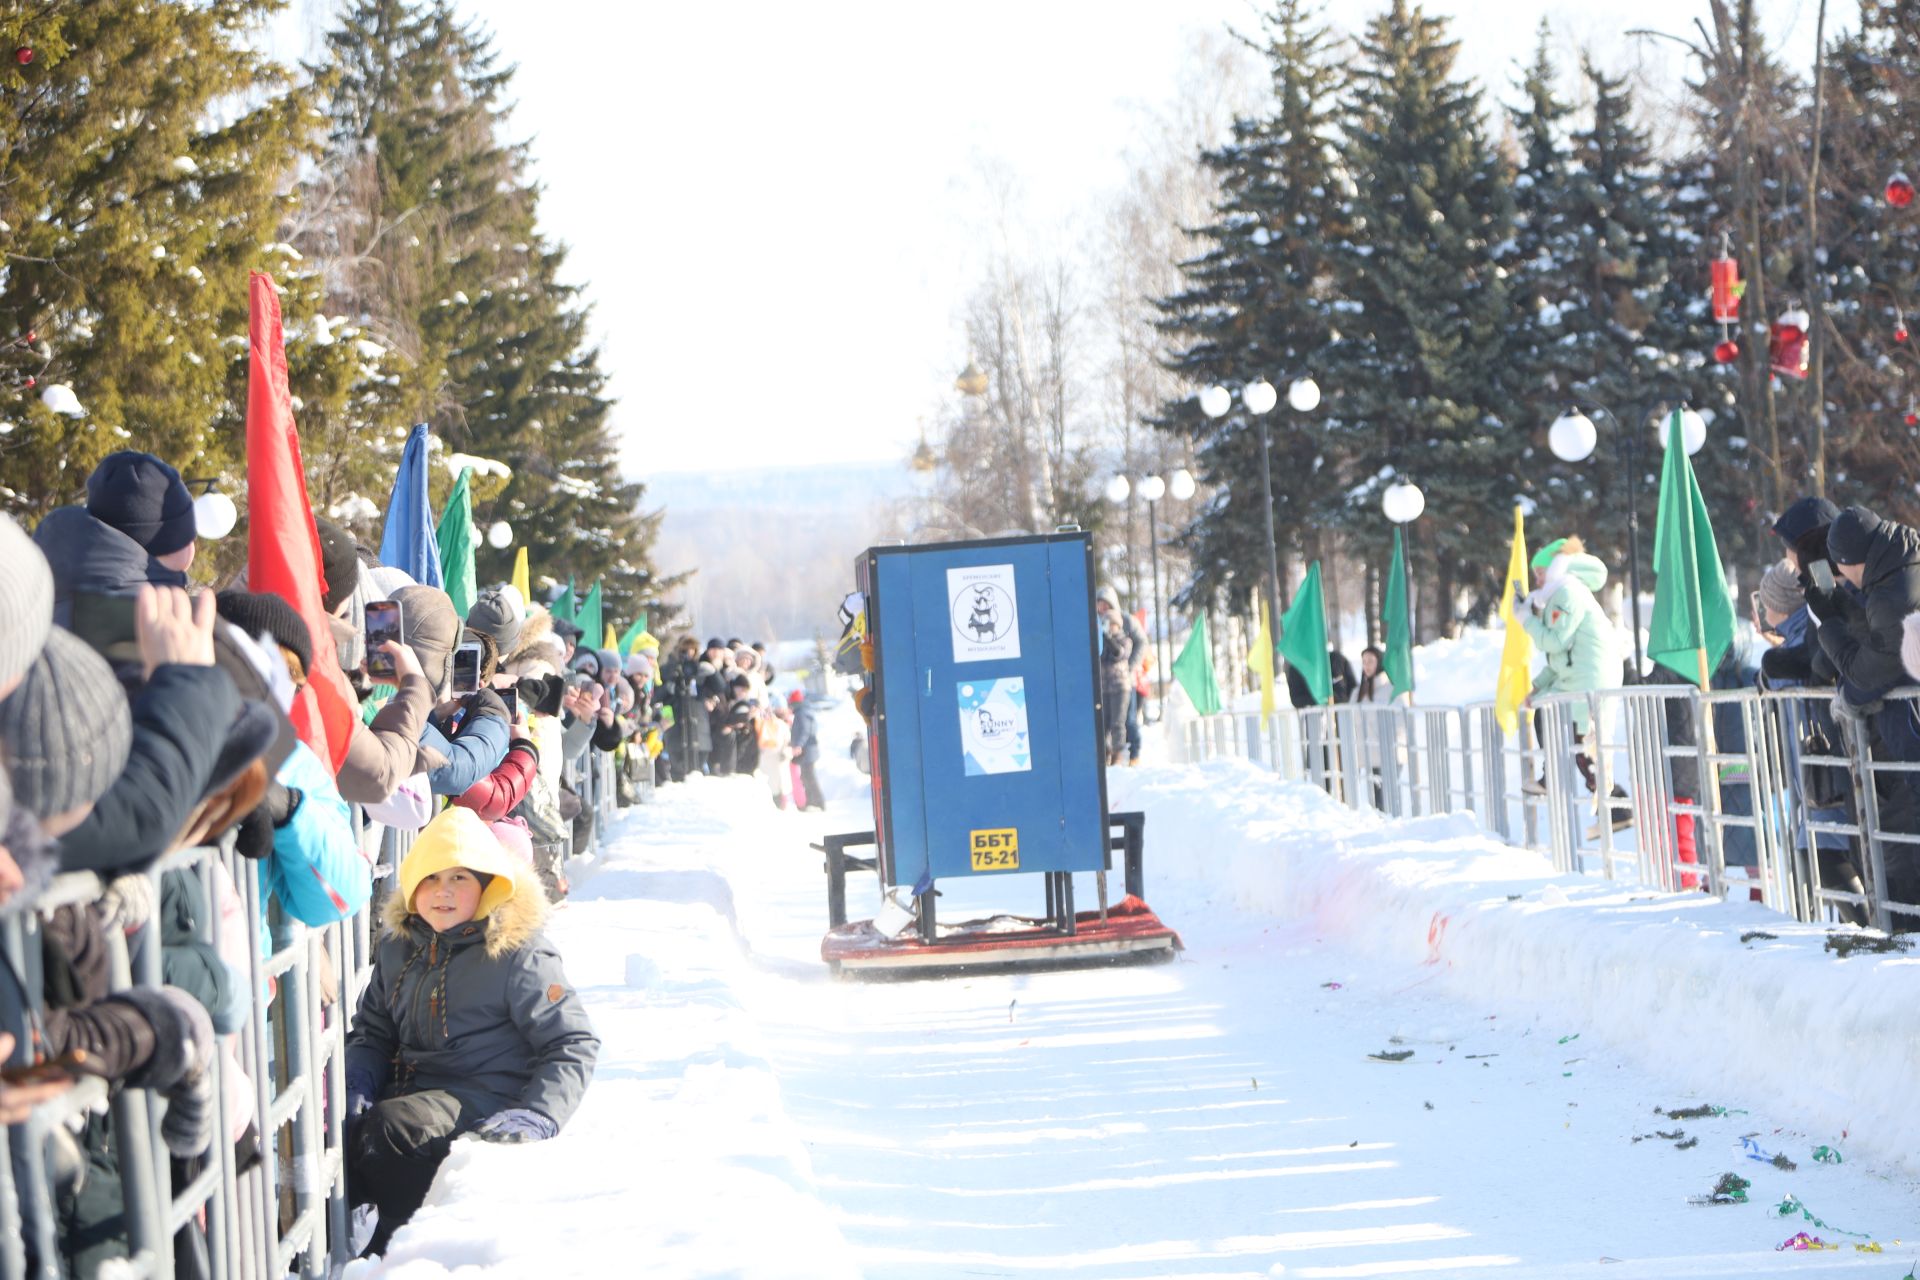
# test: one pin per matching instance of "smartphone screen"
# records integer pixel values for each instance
(512, 698)
(466, 668)
(1822, 574)
(383, 624)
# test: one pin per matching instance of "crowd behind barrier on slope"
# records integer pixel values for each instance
(273, 862)
(1793, 776)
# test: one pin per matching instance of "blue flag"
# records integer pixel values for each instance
(407, 542)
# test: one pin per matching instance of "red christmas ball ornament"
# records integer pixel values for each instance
(1900, 334)
(23, 55)
(32, 336)
(1913, 419)
(1899, 191)
(1727, 352)
(32, 381)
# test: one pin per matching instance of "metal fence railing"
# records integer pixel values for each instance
(1762, 794)
(286, 1212)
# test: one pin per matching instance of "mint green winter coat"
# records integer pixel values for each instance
(1573, 634)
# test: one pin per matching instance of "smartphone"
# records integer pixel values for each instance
(512, 698)
(106, 623)
(1753, 599)
(466, 668)
(70, 1065)
(1822, 574)
(383, 624)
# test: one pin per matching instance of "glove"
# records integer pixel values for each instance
(361, 1088)
(126, 903)
(280, 804)
(1825, 605)
(516, 1124)
(253, 835)
(1856, 714)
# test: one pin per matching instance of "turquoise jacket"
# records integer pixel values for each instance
(1572, 632)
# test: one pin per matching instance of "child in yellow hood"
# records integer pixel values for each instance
(468, 1024)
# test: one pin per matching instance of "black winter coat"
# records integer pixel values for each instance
(179, 724)
(89, 556)
(1861, 629)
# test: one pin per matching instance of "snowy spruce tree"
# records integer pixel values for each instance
(436, 232)
(1256, 305)
(145, 168)
(1425, 306)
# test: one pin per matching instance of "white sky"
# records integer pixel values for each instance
(774, 206)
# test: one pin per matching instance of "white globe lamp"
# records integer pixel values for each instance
(1403, 502)
(1304, 395)
(1118, 489)
(1181, 486)
(500, 535)
(214, 515)
(1153, 488)
(1693, 430)
(1259, 397)
(1572, 437)
(1215, 401)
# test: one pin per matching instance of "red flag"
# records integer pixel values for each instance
(283, 546)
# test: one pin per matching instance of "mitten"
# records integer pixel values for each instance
(180, 1066)
(517, 1124)
(126, 903)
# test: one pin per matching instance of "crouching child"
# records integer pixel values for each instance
(468, 1024)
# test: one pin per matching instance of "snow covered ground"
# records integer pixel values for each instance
(1219, 1116)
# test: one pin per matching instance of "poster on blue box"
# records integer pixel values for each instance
(993, 726)
(985, 611)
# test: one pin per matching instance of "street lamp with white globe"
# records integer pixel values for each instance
(500, 535)
(1573, 437)
(1259, 396)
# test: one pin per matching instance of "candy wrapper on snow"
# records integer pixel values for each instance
(1804, 1243)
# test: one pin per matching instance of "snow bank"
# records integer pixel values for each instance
(1666, 976)
(681, 1160)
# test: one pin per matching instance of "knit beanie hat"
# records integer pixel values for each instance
(26, 601)
(1851, 535)
(430, 625)
(1780, 589)
(1543, 558)
(65, 731)
(144, 498)
(497, 614)
(339, 561)
(263, 613)
(1111, 596)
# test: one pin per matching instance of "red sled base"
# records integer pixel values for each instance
(1130, 931)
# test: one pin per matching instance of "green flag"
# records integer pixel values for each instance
(1398, 663)
(562, 607)
(1194, 669)
(1303, 637)
(588, 617)
(454, 536)
(634, 632)
(1692, 625)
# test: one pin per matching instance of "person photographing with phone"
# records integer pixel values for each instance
(466, 734)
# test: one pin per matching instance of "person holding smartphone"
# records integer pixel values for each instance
(466, 734)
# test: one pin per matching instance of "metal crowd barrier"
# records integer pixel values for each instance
(1762, 794)
(286, 1212)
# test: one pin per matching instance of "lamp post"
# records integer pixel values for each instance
(1572, 438)
(1152, 489)
(1303, 395)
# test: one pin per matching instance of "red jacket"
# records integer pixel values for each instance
(500, 792)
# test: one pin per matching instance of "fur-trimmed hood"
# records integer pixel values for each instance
(534, 629)
(510, 926)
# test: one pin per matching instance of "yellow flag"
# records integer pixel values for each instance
(1516, 656)
(612, 641)
(520, 575)
(1262, 660)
